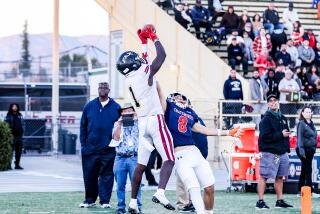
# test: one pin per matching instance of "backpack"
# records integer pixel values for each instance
(215, 37)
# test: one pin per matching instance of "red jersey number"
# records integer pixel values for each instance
(182, 126)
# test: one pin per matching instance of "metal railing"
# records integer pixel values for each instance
(237, 111)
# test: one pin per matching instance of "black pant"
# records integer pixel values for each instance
(305, 178)
(149, 176)
(17, 146)
(233, 62)
(98, 176)
(199, 24)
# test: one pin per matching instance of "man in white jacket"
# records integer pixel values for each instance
(289, 16)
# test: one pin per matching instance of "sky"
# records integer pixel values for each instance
(77, 17)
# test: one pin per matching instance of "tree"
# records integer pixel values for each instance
(5, 146)
(25, 62)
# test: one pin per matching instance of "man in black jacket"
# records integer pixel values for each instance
(15, 121)
(236, 55)
(271, 19)
(274, 146)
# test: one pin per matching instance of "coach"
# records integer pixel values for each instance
(96, 126)
(274, 146)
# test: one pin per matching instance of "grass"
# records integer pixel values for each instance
(65, 203)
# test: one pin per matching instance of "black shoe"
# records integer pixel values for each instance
(121, 211)
(282, 204)
(18, 167)
(188, 208)
(153, 184)
(133, 211)
(261, 205)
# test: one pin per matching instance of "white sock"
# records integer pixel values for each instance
(160, 191)
(197, 201)
(133, 203)
(209, 211)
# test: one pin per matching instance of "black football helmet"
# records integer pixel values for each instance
(129, 61)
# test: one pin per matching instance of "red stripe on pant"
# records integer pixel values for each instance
(162, 138)
(168, 136)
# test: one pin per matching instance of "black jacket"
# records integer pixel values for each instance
(16, 124)
(270, 138)
(306, 137)
(272, 16)
(234, 51)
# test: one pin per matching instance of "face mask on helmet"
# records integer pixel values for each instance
(129, 61)
(178, 99)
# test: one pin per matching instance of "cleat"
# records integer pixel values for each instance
(282, 204)
(106, 206)
(86, 205)
(261, 205)
(134, 210)
(161, 199)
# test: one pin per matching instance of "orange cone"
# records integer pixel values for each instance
(306, 203)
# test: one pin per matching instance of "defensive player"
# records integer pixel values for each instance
(153, 132)
(192, 168)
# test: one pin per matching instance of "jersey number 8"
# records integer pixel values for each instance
(182, 126)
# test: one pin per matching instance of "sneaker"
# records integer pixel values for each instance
(188, 208)
(121, 211)
(106, 206)
(261, 205)
(86, 205)
(18, 167)
(282, 204)
(161, 199)
(133, 210)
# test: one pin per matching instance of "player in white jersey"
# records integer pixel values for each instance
(153, 131)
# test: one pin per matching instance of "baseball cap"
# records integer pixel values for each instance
(271, 96)
(125, 106)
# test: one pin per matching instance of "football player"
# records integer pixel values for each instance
(153, 132)
(191, 167)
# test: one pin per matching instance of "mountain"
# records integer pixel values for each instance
(41, 45)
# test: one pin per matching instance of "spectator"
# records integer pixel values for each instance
(230, 20)
(244, 19)
(313, 78)
(248, 47)
(235, 34)
(15, 121)
(181, 16)
(306, 54)
(248, 29)
(271, 19)
(164, 4)
(262, 43)
(264, 62)
(297, 34)
(284, 55)
(309, 35)
(271, 83)
(305, 84)
(98, 118)
(126, 138)
(317, 55)
(294, 55)
(215, 9)
(274, 148)
(236, 55)
(257, 91)
(287, 86)
(280, 69)
(306, 146)
(289, 16)
(278, 38)
(232, 90)
(200, 18)
(256, 24)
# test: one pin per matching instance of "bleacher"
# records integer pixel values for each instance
(307, 15)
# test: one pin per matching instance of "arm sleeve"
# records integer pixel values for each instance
(84, 126)
(300, 146)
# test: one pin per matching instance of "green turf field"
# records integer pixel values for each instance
(58, 203)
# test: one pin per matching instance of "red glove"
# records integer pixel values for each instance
(142, 36)
(150, 32)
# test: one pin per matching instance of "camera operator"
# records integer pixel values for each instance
(125, 139)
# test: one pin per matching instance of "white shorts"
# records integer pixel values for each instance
(193, 169)
(153, 132)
